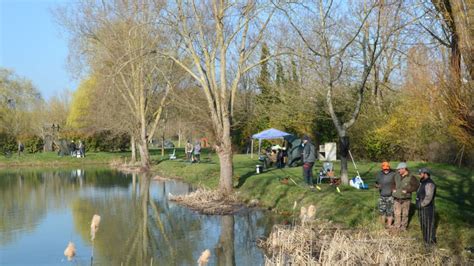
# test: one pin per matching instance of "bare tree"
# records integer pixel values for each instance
(217, 41)
(345, 42)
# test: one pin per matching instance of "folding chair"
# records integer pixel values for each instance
(326, 172)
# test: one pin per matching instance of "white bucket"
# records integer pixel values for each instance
(258, 169)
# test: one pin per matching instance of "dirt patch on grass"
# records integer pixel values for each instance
(209, 202)
(322, 243)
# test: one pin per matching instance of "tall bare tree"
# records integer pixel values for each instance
(345, 41)
(217, 43)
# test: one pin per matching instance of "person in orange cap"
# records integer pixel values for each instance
(384, 182)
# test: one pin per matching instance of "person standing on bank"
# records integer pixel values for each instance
(425, 197)
(188, 148)
(405, 183)
(197, 152)
(384, 182)
(309, 157)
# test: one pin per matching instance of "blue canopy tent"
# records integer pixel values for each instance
(267, 134)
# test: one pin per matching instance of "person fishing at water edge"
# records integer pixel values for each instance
(309, 157)
(384, 182)
(405, 183)
(425, 202)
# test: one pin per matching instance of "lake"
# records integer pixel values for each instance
(42, 210)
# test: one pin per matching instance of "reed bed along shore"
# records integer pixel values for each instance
(209, 202)
(320, 242)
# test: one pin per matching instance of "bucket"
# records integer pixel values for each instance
(259, 169)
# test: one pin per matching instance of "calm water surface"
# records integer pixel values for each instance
(43, 210)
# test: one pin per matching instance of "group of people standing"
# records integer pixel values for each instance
(79, 149)
(396, 190)
(193, 153)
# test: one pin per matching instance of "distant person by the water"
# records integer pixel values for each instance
(72, 148)
(21, 148)
(197, 152)
(188, 148)
(82, 149)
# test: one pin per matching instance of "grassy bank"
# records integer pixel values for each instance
(351, 207)
(52, 159)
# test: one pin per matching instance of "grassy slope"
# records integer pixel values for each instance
(354, 208)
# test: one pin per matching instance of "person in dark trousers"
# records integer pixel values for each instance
(21, 148)
(72, 148)
(425, 202)
(405, 183)
(309, 157)
(280, 163)
(82, 149)
(384, 182)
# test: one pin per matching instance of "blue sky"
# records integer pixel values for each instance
(32, 45)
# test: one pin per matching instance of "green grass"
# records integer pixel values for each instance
(52, 159)
(351, 207)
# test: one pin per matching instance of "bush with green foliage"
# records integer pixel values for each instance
(7, 142)
(33, 144)
(106, 141)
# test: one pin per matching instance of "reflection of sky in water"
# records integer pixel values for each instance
(43, 211)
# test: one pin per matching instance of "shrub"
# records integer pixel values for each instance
(7, 142)
(33, 144)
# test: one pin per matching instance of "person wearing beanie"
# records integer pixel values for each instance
(405, 183)
(384, 182)
(309, 157)
(425, 202)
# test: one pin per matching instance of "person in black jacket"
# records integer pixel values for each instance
(425, 202)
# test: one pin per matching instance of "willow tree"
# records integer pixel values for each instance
(217, 41)
(118, 41)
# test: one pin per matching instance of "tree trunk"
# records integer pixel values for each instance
(134, 149)
(227, 170)
(344, 148)
(144, 154)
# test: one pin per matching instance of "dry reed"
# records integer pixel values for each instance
(70, 251)
(209, 202)
(94, 225)
(204, 258)
(323, 243)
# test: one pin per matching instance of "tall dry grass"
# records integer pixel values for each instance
(318, 242)
(209, 201)
(322, 243)
(94, 225)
